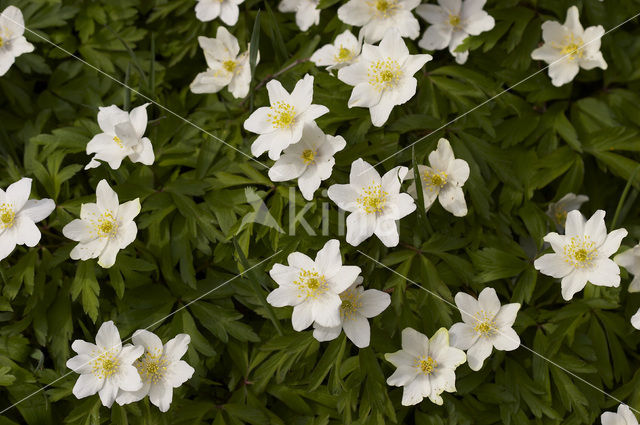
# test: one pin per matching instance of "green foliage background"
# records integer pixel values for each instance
(526, 148)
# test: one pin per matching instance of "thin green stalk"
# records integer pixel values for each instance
(625, 192)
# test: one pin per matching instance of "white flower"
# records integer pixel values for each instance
(375, 203)
(569, 202)
(18, 215)
(624, 417)
(312, 287)
(281, 124)
(123, 136)
(12, 41)
(344, 51)
(630, 260)
(376, 17)
(383, 77)
(160, 369)
(582, 254)
(103, 228)
(485, 325)
(208, 10)
(425, 367)
(106, 366)
(227, 67)
(635, 320)
(443, 180)
(451, 23)
(310, 160)
(307, 12)
(357, 306)
(565, 40)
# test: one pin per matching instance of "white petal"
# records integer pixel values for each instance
(176, 347)
(28, 233)
(126, 235)
(18, 193)
(108, 393)
(553, 265)
(414, 343)
(83, 347)
(573, 283)
(488, 301)
(81, 363)
(127, 397)
(91, 249)
(302, 317)
(86, 385)
(259, 121)
(300, 261)
(325, 310)
(635, 320)
(107, 257)
(107, 199)
(468, 306)
(288, 167)
(78, 230)
(284, 296)
(148, 340)
(563, 72)
(373, 302)
(144, 153)
(436, 37)
(415, 391)
(360, 226)
(595, 228)
(109, 117)
(506, 340)
(452, 199)
(572, 23)
(399, 359)
(344, 196)
(612, 242)
(357, 330)
(128, 211)
(229, 14)
(442, 157)
(462, 336)
(108, 337)
(128, 378)
(380, 112)
(138, 117)
(507, 315)
(322, 333)
(328, 260)
(178, 373)
(354, 12)
(605, 273)
(284, 275)
(161, 396)
(477, 354)
(364, 95)
(37, 210)
(387, 231)
(344, 278)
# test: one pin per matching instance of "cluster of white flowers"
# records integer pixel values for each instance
(327, 294)
(128, 373)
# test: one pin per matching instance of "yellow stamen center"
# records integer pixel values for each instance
(105, 365)
(308, 156)
(434, 181)
(229, 65)
(485, 324)
(350, 303)
(344, 54)
(454, 20)
(282, 115)
(561, 216)
(581, 252)
(118, 141)
(1, 41)
(384, 8)
(7, 216)
(152, 367)
(105, 226)
(427, 366)
(573, 47)
(311, 284)
(372, 200)
(384, 74)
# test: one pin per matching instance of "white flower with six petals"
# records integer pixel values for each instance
(569, 47)
(358, 305)
(312, 287)
(383, 77)
(451, 23)
(103, 228)
(344, 51)
(281, 124)
(227, 10)
(375, 203)
(18, 215)
(376, 17)
(160, 369)
(227, 66)
(122, 136)
(485, 325)
(582, 254)
(105, 367)
(443, 179)
(307, 12)
(425, 367)
(310, 160)
(12, 41)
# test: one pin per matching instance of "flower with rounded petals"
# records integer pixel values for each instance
(18, 215)
(375, 203)
(103, 228)
(558, 210)
(624, 416)
(160, 369)
(357, 306)
(310, 160)
(485, 325)
(630, 260)
(105, 367)
(227, 66)
(12, 41)
(312, 287)
(344, 51)
(376, 17)
(443, 180)
(569, 47)
(307, 12)
(227, 10)
(383, 77)
(425, 367)
(452, 21)
(122, 136)
(582, 254)
(281, 124)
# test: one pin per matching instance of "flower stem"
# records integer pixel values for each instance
(625, 192)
